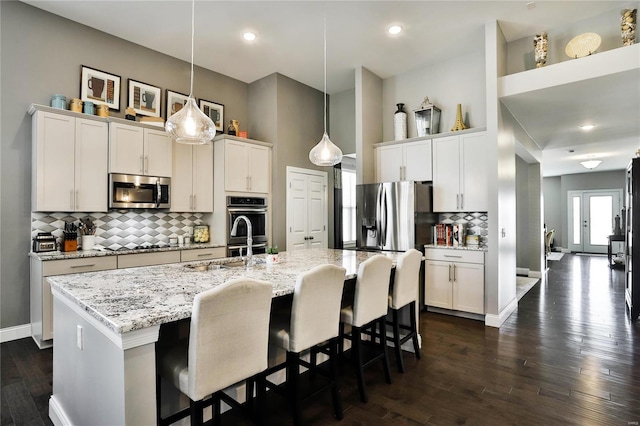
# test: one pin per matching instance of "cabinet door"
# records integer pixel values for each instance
(236, 164)
(182, 180)
(54, 162)
(259, 169)
(446, 174)
(157, 153)
(389, 163)
(91, 151)
(417, 161)
(468, 287)
(126, 149)
(438, 285)
(202, 177)
(474, 173)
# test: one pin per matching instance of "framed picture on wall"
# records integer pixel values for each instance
(144, 98)
(100, 87)
(214, 111)
(175, 102)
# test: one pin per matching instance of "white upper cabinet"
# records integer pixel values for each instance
(459, 173)
(192, 180)
(138, 150)
(406, 161)
(69, 170)
(247, 166)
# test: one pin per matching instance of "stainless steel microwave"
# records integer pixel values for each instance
(139, 192)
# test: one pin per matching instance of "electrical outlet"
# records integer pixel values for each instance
(79, 337)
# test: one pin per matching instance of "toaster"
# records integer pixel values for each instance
(43, 242)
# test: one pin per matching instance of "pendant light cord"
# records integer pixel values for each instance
(193, 31)
(325, 74)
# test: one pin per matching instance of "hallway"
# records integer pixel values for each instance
(567, 356)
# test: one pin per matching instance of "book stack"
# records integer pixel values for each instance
(452, 235)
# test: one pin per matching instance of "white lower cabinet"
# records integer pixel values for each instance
(454, 279)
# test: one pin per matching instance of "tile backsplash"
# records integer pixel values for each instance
(477, 223)
(121, 229)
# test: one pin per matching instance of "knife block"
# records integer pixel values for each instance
(70, 242)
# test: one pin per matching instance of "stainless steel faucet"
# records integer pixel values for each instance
(234, 230)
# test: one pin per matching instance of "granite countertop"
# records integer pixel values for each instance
(134, 298)
(61, 255)
(470, 248)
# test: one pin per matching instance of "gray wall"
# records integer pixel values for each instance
(581, 181)
(294, 126)
(342, 114)
(528, 215)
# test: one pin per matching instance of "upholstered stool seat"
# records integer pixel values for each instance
(404, 293)
(368, 312)
(227, 344)
(311, 326)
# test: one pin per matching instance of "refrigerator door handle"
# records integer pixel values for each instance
(383, 219)
(378, 223)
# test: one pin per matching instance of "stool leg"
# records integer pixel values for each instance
(195, 412)
(261, 396)
(313, 357)
(357, 359)
(293, 385)
(215, 410)
(385, 356)
(396, 340)
(414, 330)
(158, 399)
(335, 388)
(341, 339)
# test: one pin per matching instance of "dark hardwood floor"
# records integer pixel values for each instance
(568, 355)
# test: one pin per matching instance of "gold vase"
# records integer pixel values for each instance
(459, 124)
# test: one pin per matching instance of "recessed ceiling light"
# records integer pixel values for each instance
(587, 126)
(395, 29)
(249, 36)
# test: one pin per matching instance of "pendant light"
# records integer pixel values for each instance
(325, 153)
(190, 125)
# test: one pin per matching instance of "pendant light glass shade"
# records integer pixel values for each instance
(325, 153)
(190, 125)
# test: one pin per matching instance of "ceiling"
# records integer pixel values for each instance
(290, 42)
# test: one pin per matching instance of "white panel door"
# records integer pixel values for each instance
(91, 153)
(417, 161)
(126, 149)
(306, 209)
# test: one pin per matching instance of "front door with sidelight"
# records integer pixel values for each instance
(591, 219)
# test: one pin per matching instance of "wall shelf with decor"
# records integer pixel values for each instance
(434, 136)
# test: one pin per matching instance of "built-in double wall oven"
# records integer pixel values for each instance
(255, 209)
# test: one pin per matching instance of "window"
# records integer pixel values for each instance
(348, 203)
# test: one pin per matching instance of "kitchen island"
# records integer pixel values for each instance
(106, 325)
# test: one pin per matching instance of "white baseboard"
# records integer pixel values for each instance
(14, 333)
(497, 320)
(564, 250)
(524, 272)
(535, 274)
(56, 413)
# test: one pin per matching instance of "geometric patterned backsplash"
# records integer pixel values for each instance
(477, 223)
(116, 229)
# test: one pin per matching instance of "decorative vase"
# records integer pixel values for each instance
(234, 127)
(459, 124)
(628, 26)
(540, 49)
(400, 123)
(617, 230)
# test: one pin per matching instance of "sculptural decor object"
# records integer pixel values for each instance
(400, 123)
(540, 49)
(459, 124)
(628, 26)
(583, 45)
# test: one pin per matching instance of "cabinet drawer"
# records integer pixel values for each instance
(453, 255)
(148, 259)
(74, 266)
(203, 254)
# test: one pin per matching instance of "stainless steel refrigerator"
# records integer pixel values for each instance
(394, 216)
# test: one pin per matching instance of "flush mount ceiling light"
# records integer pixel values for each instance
(395, 29)
(583, 45)
(189, 125)
(325, 153)
(590, 164)
(249, 36)
(587, 127)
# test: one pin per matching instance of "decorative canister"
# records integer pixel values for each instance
(89, 108)
(201, 234)
(102, 110)
(59, 101)
(540, 49)
(400, 123)
(75, 105)
(628, 26)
